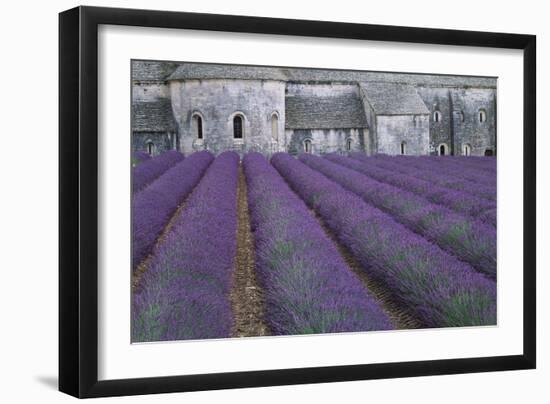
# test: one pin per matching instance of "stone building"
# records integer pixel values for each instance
(193, 106)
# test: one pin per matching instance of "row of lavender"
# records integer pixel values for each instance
(308, 286)
(183, 294)
(469, 240)
(153, 207)
(434, 173)
(450, 166)
(139, 157)
(436, 287)
(484, 164)
(459, 201)
(150, 169)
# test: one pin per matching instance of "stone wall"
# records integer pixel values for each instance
(150, 91)
(327, 140)
(217, 102)
(480, 136)
(161, 141)
(393, 130)
(459, 123)
(438, 99)
(371, 141)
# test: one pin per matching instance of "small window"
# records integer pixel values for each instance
(238, 127)
(348, 144)
(442, 149)
(482, 116)
(437, 116)
(307, 146)
(460, 116)
(466, 150)
(197, 126)
(489, 152)
(403, 148)
(150, 148)
(275, 127)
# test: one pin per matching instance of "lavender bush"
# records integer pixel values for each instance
(308, 287)
(153, 207)
(481, 168)
(483, 165)
(452, 199)
(184, 294)
(433, 175)
(434, 163)
(145, 173)
(462, 236)
(441, 290)
(140, 157)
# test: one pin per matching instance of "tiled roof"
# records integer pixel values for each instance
(312, 112)
(153, 116)
(394, 99)
(154, 70)
(188, 71)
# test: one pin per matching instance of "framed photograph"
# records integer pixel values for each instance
(251, 201)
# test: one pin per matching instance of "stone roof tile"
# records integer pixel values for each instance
(188, 71)
(153, 116)
(394, 99)
(313, 112)
(146, 70)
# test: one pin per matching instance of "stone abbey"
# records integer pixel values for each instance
(194, 106)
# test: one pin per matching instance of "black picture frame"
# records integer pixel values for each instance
(78, 201)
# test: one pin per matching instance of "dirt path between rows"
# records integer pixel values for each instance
(400, 318)
(246, 296)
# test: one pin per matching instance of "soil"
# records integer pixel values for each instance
(246, 295)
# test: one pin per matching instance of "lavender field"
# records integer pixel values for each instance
(227, 247)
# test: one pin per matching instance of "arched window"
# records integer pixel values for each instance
(437, 116)
(238, 127)
(403, 148)
(348, 144)
(466, 149)
(197, 126)
(460, 116)
(442, 149)
(150, 147)
(488, 152)
(482, 116)
(275, 127)
(307, 146)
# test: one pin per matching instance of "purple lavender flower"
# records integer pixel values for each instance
(469, 240)
(145, 173)
(308, 287)
(441, 290)
(433, 174)
(140, 157)
(184, 294)
(153, 207)
(444, 166)
(456, 200)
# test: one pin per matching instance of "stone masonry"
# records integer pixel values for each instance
(193, 106)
